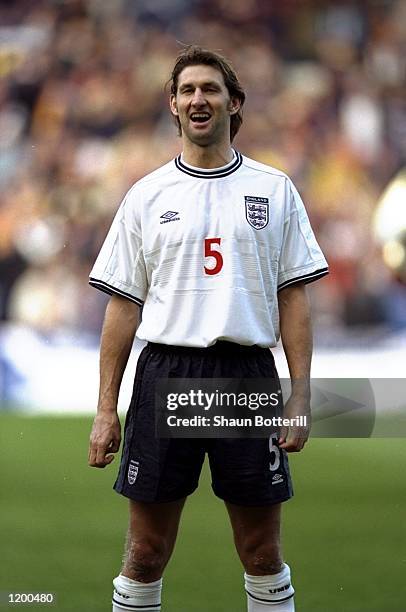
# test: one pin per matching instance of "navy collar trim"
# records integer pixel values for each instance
(212, 173)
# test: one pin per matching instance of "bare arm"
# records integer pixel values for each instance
(119, 327)
(297, 341)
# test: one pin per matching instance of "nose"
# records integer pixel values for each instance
(198, 98)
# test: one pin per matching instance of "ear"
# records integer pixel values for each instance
(173, 106)
(234, 106)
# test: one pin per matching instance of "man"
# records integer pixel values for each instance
(218, 284)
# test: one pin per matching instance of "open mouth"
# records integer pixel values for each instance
(199, 118)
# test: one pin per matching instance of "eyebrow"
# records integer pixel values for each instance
(205, 84)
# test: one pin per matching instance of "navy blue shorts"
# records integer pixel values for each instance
(246, 472)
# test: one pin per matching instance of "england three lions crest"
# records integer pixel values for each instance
(257, 211)
(133, 471)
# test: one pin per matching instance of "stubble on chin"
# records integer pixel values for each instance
(205, 139)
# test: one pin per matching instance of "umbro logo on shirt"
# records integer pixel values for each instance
(170, 215)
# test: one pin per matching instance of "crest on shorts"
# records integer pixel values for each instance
(133, 471)
(257, 211)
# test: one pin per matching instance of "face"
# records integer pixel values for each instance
(203, 105)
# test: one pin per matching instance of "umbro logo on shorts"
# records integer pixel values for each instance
(170, 215)
(277, 478)
(133, 471)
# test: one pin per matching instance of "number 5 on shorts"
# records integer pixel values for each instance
(275, 453)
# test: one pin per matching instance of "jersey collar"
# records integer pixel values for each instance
(229, 168)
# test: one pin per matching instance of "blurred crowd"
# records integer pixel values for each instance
(84, 114)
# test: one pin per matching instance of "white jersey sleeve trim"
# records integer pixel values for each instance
(304, 278)
(111, 289)
(120, 265)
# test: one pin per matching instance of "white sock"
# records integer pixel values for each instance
(273, 593)
(135, 596)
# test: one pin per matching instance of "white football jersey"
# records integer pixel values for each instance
(206, 251)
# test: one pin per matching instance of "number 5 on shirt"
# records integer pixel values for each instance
(210, 251)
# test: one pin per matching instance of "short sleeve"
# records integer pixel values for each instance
(301, 259)
(120, 265)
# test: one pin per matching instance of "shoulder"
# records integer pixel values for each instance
(264, 169)
(155, 180)
(158, 175)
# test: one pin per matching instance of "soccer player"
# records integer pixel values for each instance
(216, 248)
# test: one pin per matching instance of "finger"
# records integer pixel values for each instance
(290, 447)
(92, 449)
(283, 435)
(290, 443)
(294, 443)
(102, 450)
(114, 445)
(286, 443)
(95, 461)
(108, 459)
(92, 455)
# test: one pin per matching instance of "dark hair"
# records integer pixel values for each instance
(193, 56)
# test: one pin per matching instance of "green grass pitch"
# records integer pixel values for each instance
(62, 526)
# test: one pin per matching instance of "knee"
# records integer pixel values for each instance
(261, 558)
(263, 563)
(145, 559)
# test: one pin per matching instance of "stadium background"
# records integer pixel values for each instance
(83, 114)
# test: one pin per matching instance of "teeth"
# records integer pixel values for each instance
(200, 116)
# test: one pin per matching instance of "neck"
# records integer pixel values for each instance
(212, 156)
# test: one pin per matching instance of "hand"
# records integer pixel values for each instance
(292, 439)
(105, 439)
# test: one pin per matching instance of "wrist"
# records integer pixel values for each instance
(300, 387)
(107, 408)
